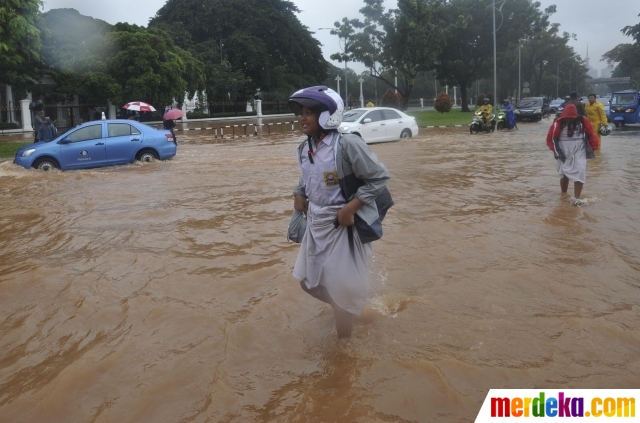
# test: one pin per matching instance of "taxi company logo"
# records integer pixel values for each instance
(84, 152)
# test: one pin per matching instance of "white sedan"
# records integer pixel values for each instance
(378, 124)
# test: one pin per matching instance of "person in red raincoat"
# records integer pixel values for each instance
(572, 140)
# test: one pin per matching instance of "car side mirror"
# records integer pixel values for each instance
(66, 140)
(367, 120)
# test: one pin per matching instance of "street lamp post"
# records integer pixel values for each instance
(495, 65)
(221, 45)
(519, 69)
(338, 79)
(361, 96)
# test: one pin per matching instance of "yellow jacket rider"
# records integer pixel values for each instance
(487, 110)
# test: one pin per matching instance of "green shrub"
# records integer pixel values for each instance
(8, 125)
(443, 102)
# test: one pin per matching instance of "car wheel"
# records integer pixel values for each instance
(148, 156)
(406, 134)
(46, 165)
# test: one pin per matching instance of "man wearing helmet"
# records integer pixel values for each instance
(333, 258)
(597, 117)
(486, 109)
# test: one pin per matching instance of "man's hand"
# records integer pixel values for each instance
(300, 203)
(555, 156)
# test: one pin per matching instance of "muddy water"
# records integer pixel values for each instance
(162, 292)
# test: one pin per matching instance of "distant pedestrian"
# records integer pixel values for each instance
(169, 124)
(37, 123)
(573, 99)
(597, 116)
(509, 114)
(572, 140)
(47, 130)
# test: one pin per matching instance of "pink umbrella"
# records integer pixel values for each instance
(139, 106)
(173, 114)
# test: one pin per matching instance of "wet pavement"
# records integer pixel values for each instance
(162, 292)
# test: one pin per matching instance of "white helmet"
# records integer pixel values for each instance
(322, 100)
(604, 130)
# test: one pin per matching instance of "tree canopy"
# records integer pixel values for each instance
(122, 62)
(402, 42)
(268, 46)
(20, 42)
(626, 57)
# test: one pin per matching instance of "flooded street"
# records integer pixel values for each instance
(162, 292)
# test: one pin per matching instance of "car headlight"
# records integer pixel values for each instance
(630, 110)
(344, 128)
(28, 152)
(538, 111)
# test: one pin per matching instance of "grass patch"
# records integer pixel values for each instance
(435, 118)
(8, 149)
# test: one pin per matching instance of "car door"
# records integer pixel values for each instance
(123, 141)
(373, 131)
(84, 148)
(393, 123)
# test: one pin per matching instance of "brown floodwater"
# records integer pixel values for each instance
(162, 292)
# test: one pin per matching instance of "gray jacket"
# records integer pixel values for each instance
(355, 161)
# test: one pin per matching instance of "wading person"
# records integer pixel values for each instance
(169, 124)
(596, 115)
(573, 99)
(332, 264)
(572, 140)
(37, 123)
(47, 130)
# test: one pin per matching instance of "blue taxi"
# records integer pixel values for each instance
(99, 143)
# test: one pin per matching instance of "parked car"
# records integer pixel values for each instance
(532, 108)
(378, 124)
(99, 143)
(553, 106)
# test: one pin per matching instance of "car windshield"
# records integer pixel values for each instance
(353, 115)
(60, 136)
(530, 102)
(556, 102)
(626, 98)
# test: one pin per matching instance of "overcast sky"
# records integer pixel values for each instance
(595, 22)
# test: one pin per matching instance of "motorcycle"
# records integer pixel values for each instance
(478, 124)
(502, 122)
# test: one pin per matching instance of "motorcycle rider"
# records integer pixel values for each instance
(486, 110)
(511, 118)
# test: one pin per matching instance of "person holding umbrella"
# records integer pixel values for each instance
(169, 121)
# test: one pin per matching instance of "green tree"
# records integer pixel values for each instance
(121, 63)
(626, 57)
(20, 30)
(403, 41)
(268, 45)
(468, 55)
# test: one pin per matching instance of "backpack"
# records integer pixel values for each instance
(366, 232)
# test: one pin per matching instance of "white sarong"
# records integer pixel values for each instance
(325, 259)
(575, 166)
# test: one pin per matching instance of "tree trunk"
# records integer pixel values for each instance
(463, 97)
